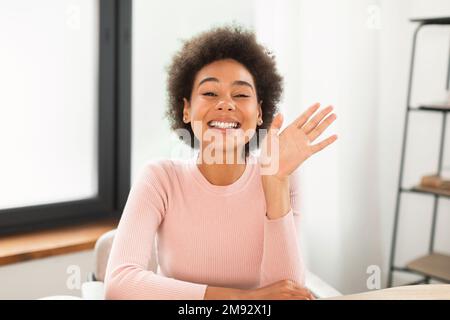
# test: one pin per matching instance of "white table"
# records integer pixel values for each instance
(413, 292)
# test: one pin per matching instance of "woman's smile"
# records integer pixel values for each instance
(217, 124)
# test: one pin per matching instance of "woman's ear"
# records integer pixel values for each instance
(186, 108)
(260, 110)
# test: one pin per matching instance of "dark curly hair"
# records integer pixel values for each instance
(232, 42)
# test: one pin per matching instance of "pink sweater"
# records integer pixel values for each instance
(206, 235)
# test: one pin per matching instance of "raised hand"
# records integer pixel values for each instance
(283, 153)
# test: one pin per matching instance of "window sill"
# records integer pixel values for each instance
(52, 242)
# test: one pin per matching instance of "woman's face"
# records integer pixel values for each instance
(224, 106)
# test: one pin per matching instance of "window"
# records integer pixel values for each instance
(64, 111)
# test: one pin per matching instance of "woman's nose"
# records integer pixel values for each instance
(225, 105)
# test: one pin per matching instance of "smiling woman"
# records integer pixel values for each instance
(224, 230)
(190, 77)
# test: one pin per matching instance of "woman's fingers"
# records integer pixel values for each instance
(301, 120)
(314, 122)
(297, 298)
(323, 144)
(303, 295)
(321, 127)
(301, 292)
(304, 291)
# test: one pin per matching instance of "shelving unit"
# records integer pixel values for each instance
(433, 265)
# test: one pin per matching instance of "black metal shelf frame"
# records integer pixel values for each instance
(422, 22)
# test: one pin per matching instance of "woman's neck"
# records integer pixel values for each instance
(222, 173)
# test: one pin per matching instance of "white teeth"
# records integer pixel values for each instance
(223, 125)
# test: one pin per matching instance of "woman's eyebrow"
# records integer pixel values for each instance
(242, 83)
(237, 82)
(207, 79)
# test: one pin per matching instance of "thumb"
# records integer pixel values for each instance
(277, 122)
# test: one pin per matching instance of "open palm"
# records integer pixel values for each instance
(283, 153)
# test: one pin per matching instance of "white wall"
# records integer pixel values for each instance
(339, 69)
(45, 277)
(335, 63)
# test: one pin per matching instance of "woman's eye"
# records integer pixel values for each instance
(209, 94)
(242, 96)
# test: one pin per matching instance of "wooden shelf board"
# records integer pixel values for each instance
(434, 265)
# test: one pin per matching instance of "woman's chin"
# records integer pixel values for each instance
(226, 154)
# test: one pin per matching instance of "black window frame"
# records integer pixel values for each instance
(114, 134)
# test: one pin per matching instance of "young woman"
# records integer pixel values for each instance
(224, 229)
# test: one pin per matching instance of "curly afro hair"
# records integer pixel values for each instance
(233, 42)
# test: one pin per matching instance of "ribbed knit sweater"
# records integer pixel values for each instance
(205, 235)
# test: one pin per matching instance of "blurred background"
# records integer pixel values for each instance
(352, 54)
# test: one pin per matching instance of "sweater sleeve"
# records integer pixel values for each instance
(127, 276)
(282, 257)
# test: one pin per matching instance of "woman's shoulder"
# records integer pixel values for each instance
(164, 169)
(161, 166)
(157, 175)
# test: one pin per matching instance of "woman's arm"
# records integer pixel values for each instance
(276, 192)
(282, 154)
(127, 274)
(282, 258)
